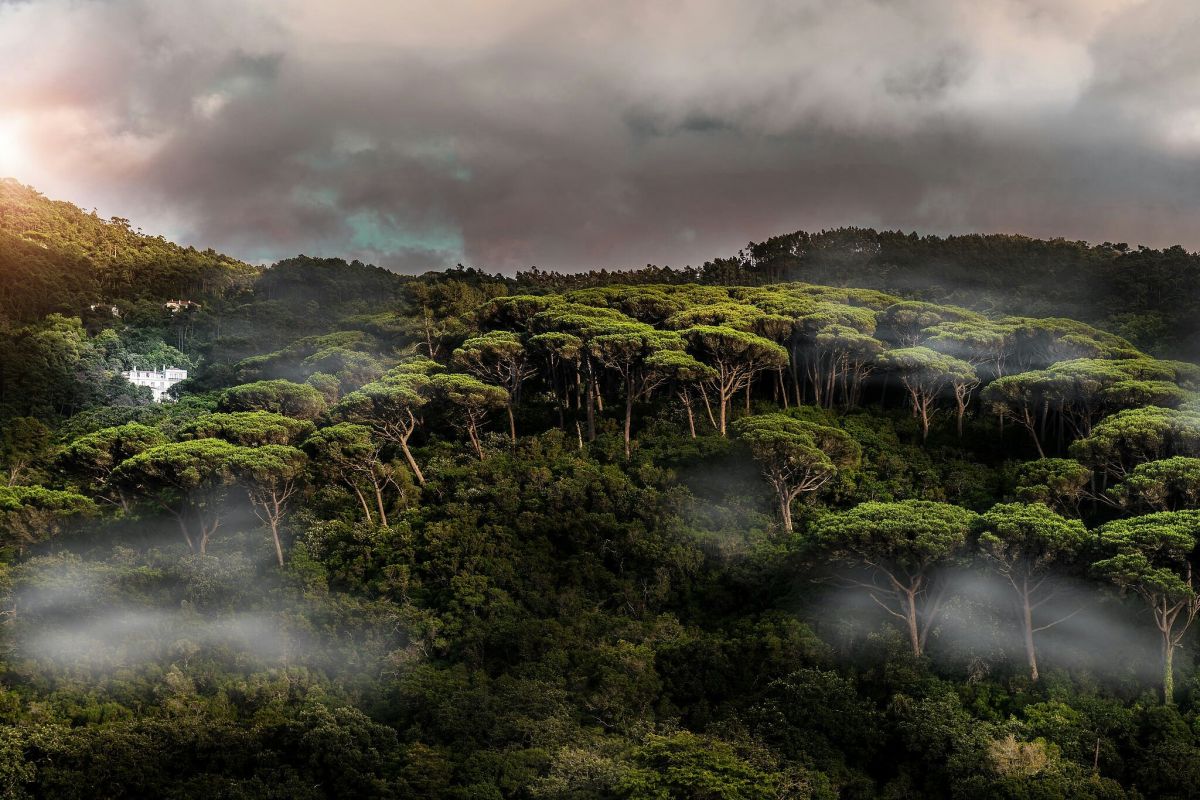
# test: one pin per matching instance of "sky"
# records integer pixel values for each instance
(573, 135)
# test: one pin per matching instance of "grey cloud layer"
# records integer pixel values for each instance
(571, 135)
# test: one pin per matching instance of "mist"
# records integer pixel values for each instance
(1101, 636)
(156, 607)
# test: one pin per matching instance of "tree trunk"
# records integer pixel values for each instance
(383, 520)
(1027, 622)
(960, 398)
(366, 508)
(1032, 428)
(785, 510)
(921, 406)
(708, 407)
(274, 523)
(183, 528)
(473, 435)
(512, 426)
(628, 419)
(687, 404)
(412, 462)
(591, 410)
(1168, 668)
(206, 532)
(795, 377)
(721, 419)
(910, 613)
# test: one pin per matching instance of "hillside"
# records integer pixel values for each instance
(54, 257)
(661, 534)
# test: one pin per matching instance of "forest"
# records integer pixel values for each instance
(851, 514)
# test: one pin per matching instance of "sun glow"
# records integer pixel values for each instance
(13, 160)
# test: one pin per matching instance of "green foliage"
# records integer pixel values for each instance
(277, 397)
(1028, 539)
(33, 514)
(1060, 483)
(1151, 554)
(911, 534)
(188, 479)
(1171, 484)
(52, 368)
(24, 445)
(248, 428)
(901, 545)
(797, 457)
(687, 765)
(1135, 436)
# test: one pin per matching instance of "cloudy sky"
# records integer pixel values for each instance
(573, 135)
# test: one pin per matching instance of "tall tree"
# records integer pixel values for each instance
(736, 357)
(561, 353)
(1172, 484)
(248, 428)
(1135, 436)
(984, 344)
(629, 353)
(926, 374)
(473, 399)
(835, 346)
(93, 457)
(1024, 544)
(277, 396)
(901, 545)
(347, 453)
(189, 480)
(392, 409)
(1154, 556)
(1060, 483)
(909, 321)
(33, 514)
(273, 475)
(584, 323)
(797, 457)
(685, 374)
(498, 357)
(1020, 399)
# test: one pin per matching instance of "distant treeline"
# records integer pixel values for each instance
(1143, 294)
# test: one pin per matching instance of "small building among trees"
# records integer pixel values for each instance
(159, 381)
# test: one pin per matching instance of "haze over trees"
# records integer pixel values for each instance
(848, 515)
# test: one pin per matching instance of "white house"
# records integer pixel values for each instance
(158, 380)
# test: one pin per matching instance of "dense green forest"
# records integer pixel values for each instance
(848, 515)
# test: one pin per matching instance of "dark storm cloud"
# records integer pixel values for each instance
(572, 135)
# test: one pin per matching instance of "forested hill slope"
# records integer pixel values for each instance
(55, 257)
(1146, 295)
(663, 534)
